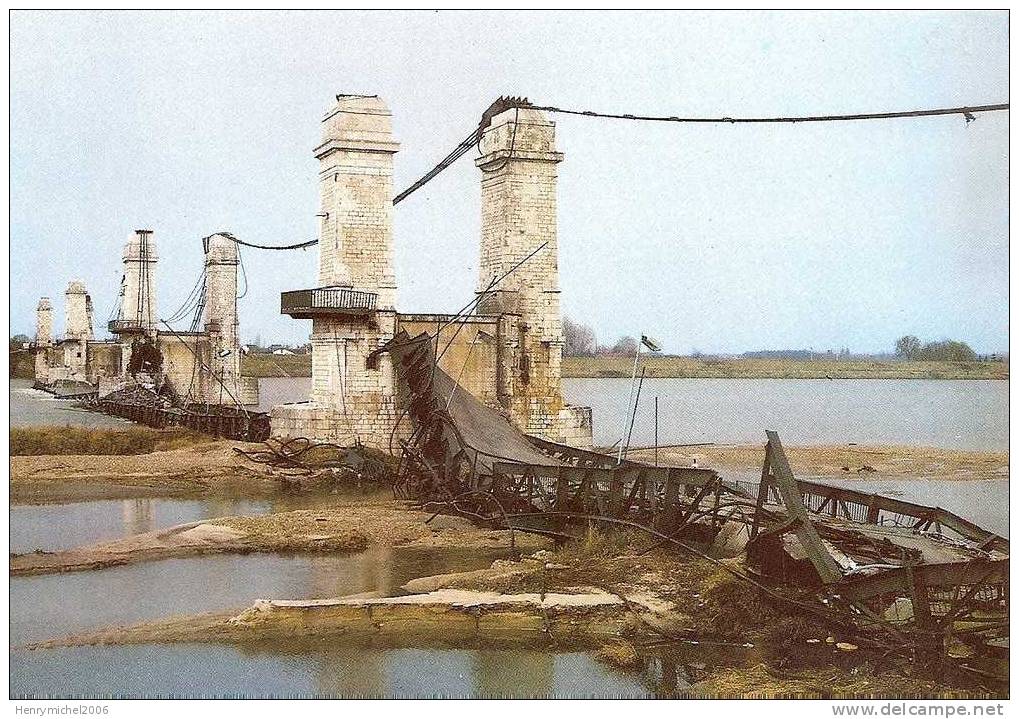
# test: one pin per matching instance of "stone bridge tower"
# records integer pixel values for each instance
(77, 328)
(138, 309)
(220, 318)
(43, 338)
(518, 165)
(353, 308)
(137, 317)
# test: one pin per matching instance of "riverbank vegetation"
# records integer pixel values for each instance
(37, 441)
(22, 361)
(583, 356)
(659, 366)
(270, 365)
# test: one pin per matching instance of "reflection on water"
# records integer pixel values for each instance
(54, 605)
(54, 527)
(341, 668)
(337, 671)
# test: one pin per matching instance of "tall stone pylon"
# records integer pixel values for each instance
(353, 310)
(137, 318)
(43, 338)
(220, 317)
(77, 312)
(138, 307)
(356, 197)
(356, 252)
(518, 166)
(77, 328)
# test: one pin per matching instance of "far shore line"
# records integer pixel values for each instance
(674, 367)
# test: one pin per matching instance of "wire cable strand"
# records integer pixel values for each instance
(967, 111)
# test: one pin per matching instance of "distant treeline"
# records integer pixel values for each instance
(22, 362)
(909, 347)
(581, 341)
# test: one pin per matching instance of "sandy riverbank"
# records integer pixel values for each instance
(215, 468)
(351, 526)
(209, 468)
(843, 461)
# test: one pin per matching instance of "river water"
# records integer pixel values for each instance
(33, 408)
(951, 414)
(202, 670)
(964, 414)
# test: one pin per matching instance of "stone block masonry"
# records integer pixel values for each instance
(518, 166)
(43, 339)
(351, 398)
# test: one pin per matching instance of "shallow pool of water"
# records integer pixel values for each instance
(339, 668)
(54, 527)
(55, 605)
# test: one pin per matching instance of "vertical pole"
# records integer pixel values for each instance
(656, 430)
(629, 402)
(633, 417)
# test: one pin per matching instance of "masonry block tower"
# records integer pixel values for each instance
(138, 308)
(518, 165)
(220, 318)
(353, 309)
(137, 318)
(77, 328)
(43, 338)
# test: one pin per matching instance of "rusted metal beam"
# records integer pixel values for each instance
(826, 567)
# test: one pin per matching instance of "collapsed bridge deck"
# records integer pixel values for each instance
(914, 574)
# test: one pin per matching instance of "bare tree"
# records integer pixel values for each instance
(579, 340)
(625, 346)
(907, 347)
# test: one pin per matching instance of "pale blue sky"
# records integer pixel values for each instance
(721, 238)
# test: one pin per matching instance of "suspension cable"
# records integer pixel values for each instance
(968, 112)
(296, 246)
(459, 151)
(503, 103)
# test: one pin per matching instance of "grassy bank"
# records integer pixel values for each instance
(276, 365)
(22, 365)
(688, 367)
(78, 440)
